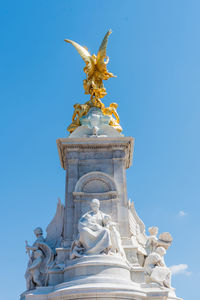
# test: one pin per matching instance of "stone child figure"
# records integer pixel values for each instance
(115, 236)
(152, 241)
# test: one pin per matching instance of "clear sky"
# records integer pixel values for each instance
(155, 52)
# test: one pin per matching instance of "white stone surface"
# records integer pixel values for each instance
(101, 253)
(97, 234)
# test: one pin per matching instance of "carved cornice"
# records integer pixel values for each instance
(76, 145)
(108, 196)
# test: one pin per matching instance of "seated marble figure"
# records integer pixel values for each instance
(97, 234)
(156, 270)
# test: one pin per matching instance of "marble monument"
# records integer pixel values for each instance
(96, 246)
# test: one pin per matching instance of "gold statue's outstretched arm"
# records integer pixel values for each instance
(85, 54)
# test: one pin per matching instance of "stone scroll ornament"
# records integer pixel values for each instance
(97, 234)
(42, 254)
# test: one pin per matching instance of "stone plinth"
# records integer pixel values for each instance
(95, 168)
(98, 266)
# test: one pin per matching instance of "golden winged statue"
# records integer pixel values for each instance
(95, 69)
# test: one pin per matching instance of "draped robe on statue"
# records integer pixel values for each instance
(93, 234)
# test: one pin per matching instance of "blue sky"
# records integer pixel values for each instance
(154, 51)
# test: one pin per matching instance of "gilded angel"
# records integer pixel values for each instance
(95, 69)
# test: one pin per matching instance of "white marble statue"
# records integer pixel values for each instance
(156, 270)
(152, 240)
(33, 272)
(115, 236)
(138, 242)
(40, 260)
(164, 240)
(97, 234)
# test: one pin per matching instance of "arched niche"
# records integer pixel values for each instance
(95, 182)
(95, 185)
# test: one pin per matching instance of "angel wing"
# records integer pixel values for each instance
(86, 56)
(135, 220)
(55, 228)
(101, 64)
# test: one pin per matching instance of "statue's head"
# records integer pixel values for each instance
(76, 105)
(153, 230)
(161, 251)
(115, 105)
(38, 231)
(95, 204)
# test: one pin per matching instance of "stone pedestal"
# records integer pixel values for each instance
(96, 168)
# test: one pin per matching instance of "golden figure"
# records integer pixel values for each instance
(95, 69)
(112, 110)
(80, 110)
(95, 102)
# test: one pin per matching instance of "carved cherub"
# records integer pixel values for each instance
(95, 69)
(152, 240)
(76, 250)
(115, 236)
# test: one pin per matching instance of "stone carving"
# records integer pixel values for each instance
(101, 181)
(42, 253)
(55, 228)
(139, 243)
(154, 266)
(137, 254)
(40, 261)
(165, 240)
(156, 270)
(97, 234)
(152, 241)
(95, 119)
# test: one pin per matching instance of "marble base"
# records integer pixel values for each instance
(97, 265)
(99, 277)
